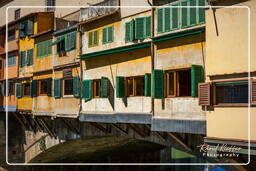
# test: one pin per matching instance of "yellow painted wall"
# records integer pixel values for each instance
(227, 46)
(227, 53)
(24, 103)
(130, 63)
(119, 32)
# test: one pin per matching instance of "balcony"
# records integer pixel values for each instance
(100, 9)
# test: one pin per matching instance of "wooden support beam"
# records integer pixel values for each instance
(41, 128)
(70, 126)
(30, 124)
(179, 141)
(20, 120)
(100, 127)
(137, 130)
(119, 128)
(46, 126)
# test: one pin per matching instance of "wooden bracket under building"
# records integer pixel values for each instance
(46, 126)
(70, 126)
(100, 127)
(137, 130)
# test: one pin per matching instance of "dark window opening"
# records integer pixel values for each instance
(11, 35)
(178, 83)
(232, 93)
(17, 14)
(26, 89)
(43, 87)
(184, 82)
(96, 88)
(50, 3)
(68, 87)
(135, 86)
(11, 88)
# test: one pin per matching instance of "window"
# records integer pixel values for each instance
(142, 27)
(11, 88)
(93, 38)
(135, 86)
(178, 83)
(169, 19)
(26, 28)
(11, 35)
(44, 48)
(43, 87)
(66, 42)
(11, 59)
(50, 3)
(22, 59)
(231, 92)
(17, 14)
(26, 89)
(96, 88)
(68, 86)
(30, 56)
(108, 34)
(1, 63)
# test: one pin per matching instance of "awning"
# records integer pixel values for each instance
(244, 82)
(116, 50)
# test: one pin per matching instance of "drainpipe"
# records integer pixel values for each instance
(152, 48)
(53, 62)
(81, 67)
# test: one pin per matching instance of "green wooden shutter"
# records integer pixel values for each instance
(175, 16)
(73, 40)
(30, 26)
(30, 55)
(104, 87)
(96, 38)
(184, 13)
(49, 87)
(167, 19)
(22, 59)
(90, 39)
(120, 88)
(104, 35)
(57, 88)
(201, 11)
(18, 90)
(128, 32)
(158, 84)
(22, 29)
(33, 88)
(160, 23)
(87, 89)
(76, 87)
(110, 34)
(49, 47)
(140, 28)
(147, 88)
(196, 77)
(148, 26)
(193, 13)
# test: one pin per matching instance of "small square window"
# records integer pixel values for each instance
(68, 87)
(135, 86)
(17, 14)
(11, 88)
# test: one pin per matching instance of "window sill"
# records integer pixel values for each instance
(68, 96)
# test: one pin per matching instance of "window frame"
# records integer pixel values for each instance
(93, 44)
(215, 104)
(63, 87)
(17, 14)
(176, 84)
(23, 89)
(94, 88)
(40, 85)
(134, 87)
(107, 34)
(10, 36)
(12, 57)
